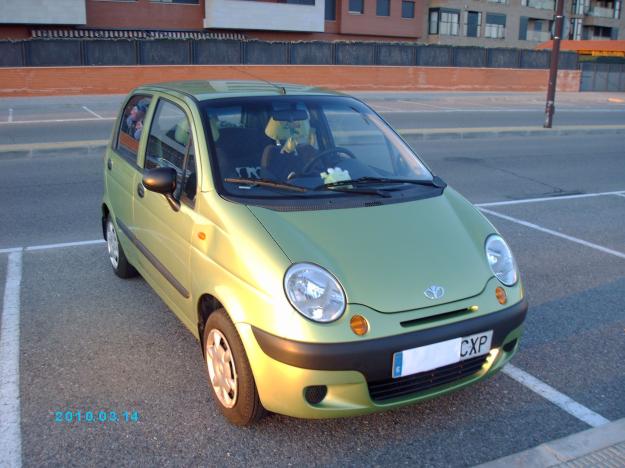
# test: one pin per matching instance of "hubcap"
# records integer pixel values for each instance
(221, 368)
(112, 243)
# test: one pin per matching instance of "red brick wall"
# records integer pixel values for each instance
(144, 14)
(46, 81)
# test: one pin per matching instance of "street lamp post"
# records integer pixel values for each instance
(553, 69)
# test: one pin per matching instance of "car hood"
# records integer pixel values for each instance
(387, 256)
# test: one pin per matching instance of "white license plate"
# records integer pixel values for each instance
(425, 358)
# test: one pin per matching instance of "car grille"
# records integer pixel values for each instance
(393, 388)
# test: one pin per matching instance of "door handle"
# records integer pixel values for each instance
(109, 164)
(140, 190)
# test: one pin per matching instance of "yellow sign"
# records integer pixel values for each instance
(607, 53)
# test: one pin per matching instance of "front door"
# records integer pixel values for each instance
(162, 234)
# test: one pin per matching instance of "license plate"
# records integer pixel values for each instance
(425, 358)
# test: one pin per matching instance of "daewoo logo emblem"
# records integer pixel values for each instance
(434, 292)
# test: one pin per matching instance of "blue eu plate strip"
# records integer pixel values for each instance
(397, 365)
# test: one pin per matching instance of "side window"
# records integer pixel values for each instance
(170, 144)
(132, 126)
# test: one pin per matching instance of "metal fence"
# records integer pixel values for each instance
(603, 77)
(77, 52)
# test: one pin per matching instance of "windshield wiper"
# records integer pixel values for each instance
(265, 183)
(435, 182)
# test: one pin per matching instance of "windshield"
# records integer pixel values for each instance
(301, 146)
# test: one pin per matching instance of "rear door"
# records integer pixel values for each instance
(121, 160)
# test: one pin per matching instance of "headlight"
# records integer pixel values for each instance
(501, 260)
(314, 292)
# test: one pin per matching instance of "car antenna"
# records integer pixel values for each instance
(282, 89)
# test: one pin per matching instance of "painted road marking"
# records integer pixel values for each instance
(554, 198)
(620, 194)
(577, 240)
(10, 436)
(551, 394)
(10, 116)
(92, 113)
(64, 245)
(442, 108)
(27, 122)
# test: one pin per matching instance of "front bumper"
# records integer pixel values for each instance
(283, 368)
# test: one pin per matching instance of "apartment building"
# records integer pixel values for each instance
(520, 23)
(488, 23)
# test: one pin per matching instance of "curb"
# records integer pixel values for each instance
(470, 133)
(600, 446)
(32, 149)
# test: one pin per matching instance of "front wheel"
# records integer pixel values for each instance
(117, 257)
(229, 372)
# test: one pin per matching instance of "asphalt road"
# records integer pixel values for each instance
(90, 341)
(57, 119)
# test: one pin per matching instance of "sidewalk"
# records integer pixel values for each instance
(600, 446)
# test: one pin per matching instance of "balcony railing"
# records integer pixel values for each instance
(538, 36)
(541, 4)
(601, 12)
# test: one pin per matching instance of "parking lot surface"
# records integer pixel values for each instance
(91, 342)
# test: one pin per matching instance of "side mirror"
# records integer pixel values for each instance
(162, 180)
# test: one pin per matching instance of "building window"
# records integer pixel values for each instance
(356, 6)
(495, 26)
(444, 22)
(407, 9)
(383, 8)
(330, 10)
(498, 1)
(192, 2)
(473, 23)
(301, 2)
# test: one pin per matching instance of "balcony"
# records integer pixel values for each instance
(261, 15)
(538, 36)
(540, 4)
(601, 12)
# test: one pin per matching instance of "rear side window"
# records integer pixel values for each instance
(170, 144)
(132, 126)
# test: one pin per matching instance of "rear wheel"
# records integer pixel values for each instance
(117, 257)
(229, 372)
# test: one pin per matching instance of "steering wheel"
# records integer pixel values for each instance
(336, 150)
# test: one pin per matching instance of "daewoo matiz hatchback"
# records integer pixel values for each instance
(324, 268)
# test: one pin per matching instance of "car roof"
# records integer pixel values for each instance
(203, 90)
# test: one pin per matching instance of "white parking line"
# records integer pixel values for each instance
(546, 199)
(600, 248)
(620, 194)
(10, 116)
(10, 436)
(92, 113)
(442, 108)
(551, 394)
(63, 245)
(27, 122)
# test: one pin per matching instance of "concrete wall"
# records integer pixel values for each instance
(43, 12)
(35, 81)
(241, 14)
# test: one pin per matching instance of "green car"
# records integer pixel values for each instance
(325, 270)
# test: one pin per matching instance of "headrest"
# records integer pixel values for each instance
(281, 130)
(182, 132)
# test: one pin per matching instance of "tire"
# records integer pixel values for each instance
(117, 257)
(229, 373)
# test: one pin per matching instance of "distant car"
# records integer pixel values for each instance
(324, 268)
